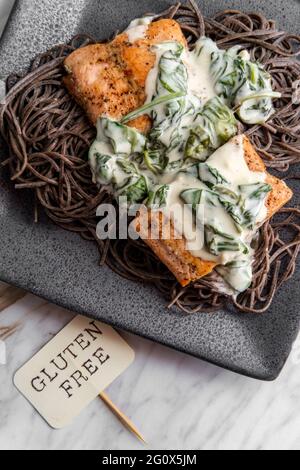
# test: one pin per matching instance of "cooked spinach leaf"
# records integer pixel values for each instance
(255, 191)
(214, 126)
(237, 274)
(127, 166)
(244, 85)
(135, 189)
(123, 139)
(210, 176)
(103, 169)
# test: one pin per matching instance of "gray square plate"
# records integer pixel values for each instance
(62, 267)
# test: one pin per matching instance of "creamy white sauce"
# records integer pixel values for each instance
(200, 85)
(239, 278)
(198, 64)
(151, 82)
(138, 28)
(114, 170)
(180, 214)
(228, 160)
(176, 154)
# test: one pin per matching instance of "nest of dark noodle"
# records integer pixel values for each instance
(48, 137)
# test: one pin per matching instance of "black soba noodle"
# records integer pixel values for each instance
(48, 137)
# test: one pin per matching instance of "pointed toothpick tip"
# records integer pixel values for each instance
(145, 443)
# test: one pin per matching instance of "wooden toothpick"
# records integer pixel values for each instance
(7, 331)
(122, 417)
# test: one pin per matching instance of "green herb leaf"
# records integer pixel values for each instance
(173, 76)
(219, 242)
(259, 95)
(135, 189)
(215, 125)
(102, 169)
(149, 106)
(193, 197)
(215, 231)
(127, 166)
(245, 85)
(210, 176)
(256, 191)
(156, 159)
(254, 199)
(124, 140)
(237, 274)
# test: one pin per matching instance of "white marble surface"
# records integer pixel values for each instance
(176, 401)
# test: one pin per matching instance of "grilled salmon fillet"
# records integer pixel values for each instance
(174, 253)
(281, 193)
(109, 79)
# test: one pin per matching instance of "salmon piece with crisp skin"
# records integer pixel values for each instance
(174, 253)
(110, 79)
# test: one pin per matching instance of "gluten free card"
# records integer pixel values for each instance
(72, 369)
